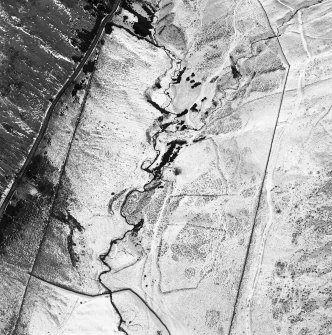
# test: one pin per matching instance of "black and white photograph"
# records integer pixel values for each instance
(166, 167)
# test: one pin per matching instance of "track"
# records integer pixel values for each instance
(265, 182)
(5, 201)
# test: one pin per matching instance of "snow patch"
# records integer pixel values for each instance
(62, 7)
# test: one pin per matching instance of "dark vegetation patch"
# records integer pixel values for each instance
(214, 79)
(8, 127)
(77, 87)
(108, 28)
(200, 138)
(84, 37)
(38, 167)
(191, 77)
(194, 108)
(164, 126)
(235, 72)
(148, 137)
(25, 206)
(192, 81)
(168, 157)
(178, 78)
(150, 12)
(182, 113)
(69, 220)
(19, 214)
(137, 227)
(76, 58)
(45, 187)
(182, 126)
(89, 66)
(157, 84)
(177, 171)
(73, 225)
(10, 225)
(196, 84)
(143, 26)
(64, 200)
(155, 105)
(39, 172)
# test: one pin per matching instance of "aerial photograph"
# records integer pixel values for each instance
(165, 167)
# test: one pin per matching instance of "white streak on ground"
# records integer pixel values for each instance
(44, 46)
(62, 7)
